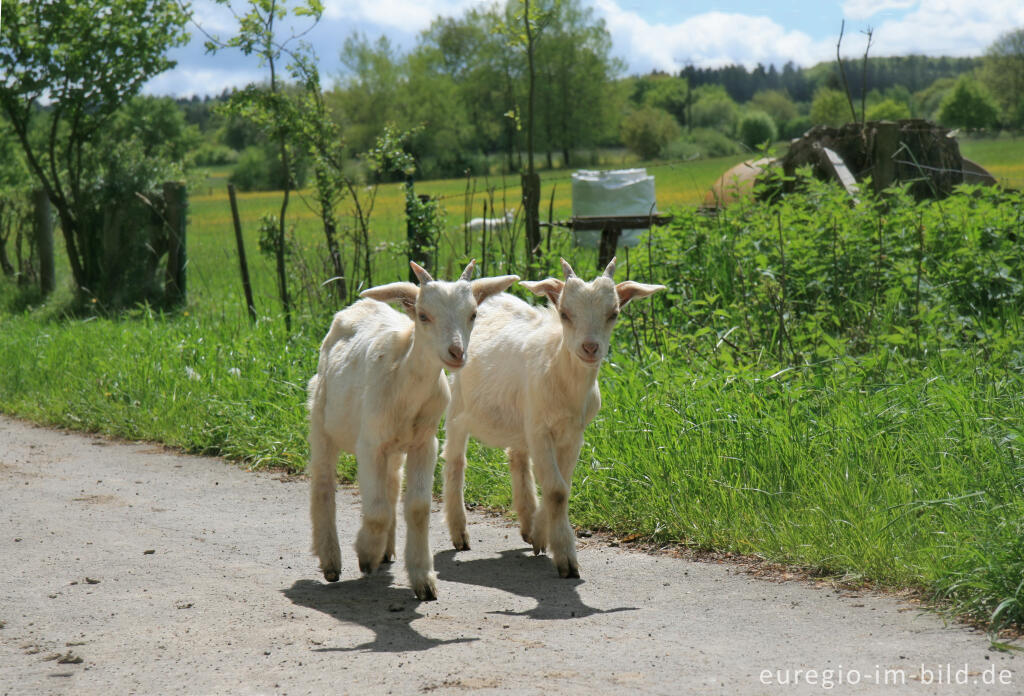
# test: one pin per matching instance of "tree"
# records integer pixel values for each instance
(829, 107)
(968, 105)
(1003, 74)
(672, 94)
(777, 104)
(84, 59)
(714, 108)
(271, 108)
(648, 130)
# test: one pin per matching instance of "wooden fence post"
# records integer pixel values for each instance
(177, 206)
(44, 239)
(246, 286)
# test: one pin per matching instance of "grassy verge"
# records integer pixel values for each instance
(832, 387)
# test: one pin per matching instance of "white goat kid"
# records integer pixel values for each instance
(478, 224)
(531, 387)
(379, 393)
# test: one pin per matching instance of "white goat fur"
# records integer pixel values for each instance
(478, 224)
(379, 393)
(531, 387)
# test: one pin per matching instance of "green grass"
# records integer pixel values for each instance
(845, 397)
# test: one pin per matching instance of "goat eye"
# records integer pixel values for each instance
(473, 317)
(613, 316)
(424, 318)
(565, 317)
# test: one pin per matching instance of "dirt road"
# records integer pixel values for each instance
(126, 568)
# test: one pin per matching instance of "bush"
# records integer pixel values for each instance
(796, 127)
(259, 169)
(713, 143)
(830, 107)
(714, 108)
(648, 131)
(757, 129)
(968, 105)
(888, 110)
(209, 155)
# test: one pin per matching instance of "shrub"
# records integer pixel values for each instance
(648, 130)
(713, 143)
(210, 155)
(714, 108)
(756, 129)
(969, 105)
(830, 107)
(796, 127)
(259, 169)
(888, 110)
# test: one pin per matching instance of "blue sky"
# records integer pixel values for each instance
(645, 34)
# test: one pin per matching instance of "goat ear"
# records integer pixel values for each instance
(403, 293)
(552, 287)
(485, 287)
(421, 273)
(628, 290)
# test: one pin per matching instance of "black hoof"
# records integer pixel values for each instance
(331, 575)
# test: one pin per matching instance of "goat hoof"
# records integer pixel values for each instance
(331, 575)
(365, 567)
(426, 588)
(426, 594)
(387, 559)
(461, 542)
(571, 570)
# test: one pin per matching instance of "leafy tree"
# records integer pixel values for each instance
(85, 59)
(671, 94)
(1003, 74)
(577, 67)
(714, 108)
(968, 105)
(14, 188)
(830, 107)
(368, 93)
(648, 131)
(777, 104)
(270, 107)
(929, 100)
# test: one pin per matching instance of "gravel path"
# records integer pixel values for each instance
(131, 569)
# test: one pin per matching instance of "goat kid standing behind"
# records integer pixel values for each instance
(379, 393)
(531, 387)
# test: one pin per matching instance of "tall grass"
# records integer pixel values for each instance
(829, 386)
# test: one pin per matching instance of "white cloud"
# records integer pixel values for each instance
(711, 39)
(405, 15)
(866, 9)
(948, 27)
(189, 81)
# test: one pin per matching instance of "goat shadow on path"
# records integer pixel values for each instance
(373, 602)
(521, 573)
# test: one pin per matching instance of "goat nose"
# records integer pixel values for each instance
(456, 352)
(590, 348)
